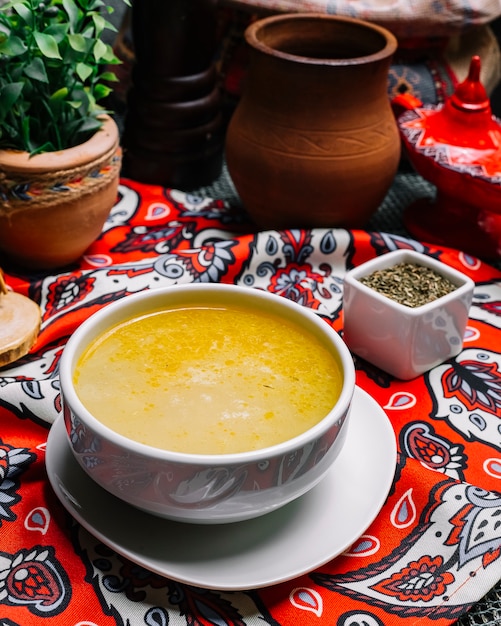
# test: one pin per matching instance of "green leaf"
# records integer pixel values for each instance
(100, 49)
(26, 130)
(83, 71)
(6, 6)
(110, 26)
(82, 97)
(78, 43)
(99, 23)
(47, 45)
(48, 146)
(95, 4)
(58, 31)
(36, 70)
(72, 10)
(109, 56)
(111, 77)
(8, 97)
(60, 94)
(91, 124)
(13, 46)
(101, 91)
(24, 13)
(88, 31)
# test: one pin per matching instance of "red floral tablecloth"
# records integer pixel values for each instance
(433, 550)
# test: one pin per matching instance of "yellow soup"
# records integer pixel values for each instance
(208, 380)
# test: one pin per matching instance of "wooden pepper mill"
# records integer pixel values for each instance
(173, 129)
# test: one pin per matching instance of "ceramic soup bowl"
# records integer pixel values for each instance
(205, 485)
(405, 341)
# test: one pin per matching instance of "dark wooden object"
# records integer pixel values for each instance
(173, 129)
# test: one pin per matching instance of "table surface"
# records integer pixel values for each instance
(158, 237)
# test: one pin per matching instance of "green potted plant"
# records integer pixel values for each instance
(59, 147)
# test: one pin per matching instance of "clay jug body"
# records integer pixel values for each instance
(313, 141)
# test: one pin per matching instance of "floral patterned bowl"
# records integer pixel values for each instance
(204, 488)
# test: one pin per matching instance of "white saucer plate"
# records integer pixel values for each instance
(267, 550)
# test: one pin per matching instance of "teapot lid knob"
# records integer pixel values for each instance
(470, 95)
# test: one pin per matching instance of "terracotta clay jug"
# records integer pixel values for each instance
(313, 140)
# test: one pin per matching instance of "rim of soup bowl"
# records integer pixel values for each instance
(116, 312)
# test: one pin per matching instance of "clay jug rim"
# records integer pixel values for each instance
(103, 140)
(253, 30)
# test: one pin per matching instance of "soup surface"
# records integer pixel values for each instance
(208, 380)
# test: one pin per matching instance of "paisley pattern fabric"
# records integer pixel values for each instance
(433, 550)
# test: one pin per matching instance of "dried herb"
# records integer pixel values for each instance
(409, 284)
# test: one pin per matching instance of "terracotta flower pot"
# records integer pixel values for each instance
(313, 141)
(54, 205)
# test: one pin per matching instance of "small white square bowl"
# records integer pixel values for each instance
(402, 340)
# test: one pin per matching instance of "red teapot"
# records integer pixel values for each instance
(456, 146)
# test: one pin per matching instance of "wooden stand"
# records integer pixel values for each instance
(20, 320)
(173, 130)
